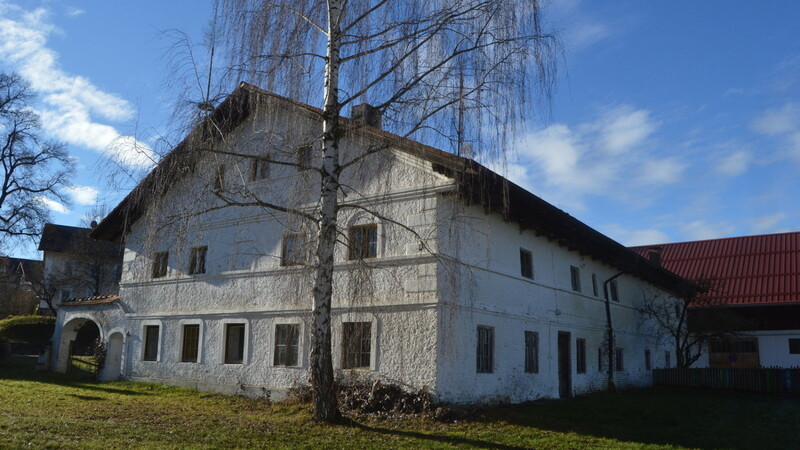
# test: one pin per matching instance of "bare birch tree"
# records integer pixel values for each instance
(421, 63)
(456, 74)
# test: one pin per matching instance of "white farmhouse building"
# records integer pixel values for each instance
(448, 276)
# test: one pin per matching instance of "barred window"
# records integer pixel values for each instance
(234, 343)
(526, 263)
(363, 241)
(531, 352)
(191, 343)
(151, 343)
(287, 339)
(575, 275)
(580, 355)
(356, 345)
(485, 350)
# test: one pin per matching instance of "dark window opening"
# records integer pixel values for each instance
(580, 355)
(531, 352)
(575, 274)
(485, 350)
(287, 339)
(160, 261)
(150, 343)
(234, 343)
(292, 251)
(526, 263)
(363, 241)
(197, 260)
(356, 345)
(260, 169)
(191, 343)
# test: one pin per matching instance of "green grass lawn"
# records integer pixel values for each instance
(46, 410)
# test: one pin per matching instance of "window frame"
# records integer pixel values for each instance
(224, 342)
(794, 346)
(305, 154)
(575, 278)
(160, 267)
(526, 262)
(287, 345)
(531, 352)
(595, 291)
(613, 291)
(580, 355)
(365, 249)
(184, 347)
(648, 364)
(260, 168)
(352, 358)
(148, 345)
(619, 361)
(198, 255)
(297, 257)
(484, 357)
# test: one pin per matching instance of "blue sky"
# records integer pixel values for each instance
(672, 121)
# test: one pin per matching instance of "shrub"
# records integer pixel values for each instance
(33, 330)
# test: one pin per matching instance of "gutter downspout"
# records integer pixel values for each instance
(610, 333)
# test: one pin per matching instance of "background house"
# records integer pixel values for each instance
(447, 275)
(18, 279)
(77, 266)
(754, 283)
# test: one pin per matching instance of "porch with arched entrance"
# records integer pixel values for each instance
(78, 338)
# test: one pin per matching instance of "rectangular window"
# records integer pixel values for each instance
(260, 169)
(234, 343)
(594, 285)
(619, 365)
(287, 339)
(197, 260)
(575, 274)
(191, 343)
(66, 294)
(794, 346)
(356, 345)
(580, 355)
(219, 177)
(292, 251)
(612, 287)
(485, 350)
(647, 365)
(150, 343)
(526, 263)
(600, 360)
(363, 241)
(160, 261)
(531, 352)
(305, 156)
(667, 360)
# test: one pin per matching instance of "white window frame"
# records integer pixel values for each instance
(224, 336)
(200, 346)
(300, 343)
(373, 343)
(160, 347)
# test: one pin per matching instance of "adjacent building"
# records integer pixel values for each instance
(447, 275)
(755, 284)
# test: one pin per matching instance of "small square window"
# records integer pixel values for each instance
(356, 345)
(575, 275)
(219, 178)
(287, 339)
(292, 253)
(160, 262)
(531, 352)
(191, 343)
(485, 350)
(580, 355)
(363, 241)
(197, 260)
(260, 169)
(794, 346)
(234, 343)
(526, 263)
(151, 343)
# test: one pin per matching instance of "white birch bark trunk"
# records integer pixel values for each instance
(322, 380)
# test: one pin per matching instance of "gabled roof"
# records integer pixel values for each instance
(30, 270)
(64, 239)
(747, 270)
(476, 184)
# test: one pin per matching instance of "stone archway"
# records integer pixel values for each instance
(113, 365)
(77, 336)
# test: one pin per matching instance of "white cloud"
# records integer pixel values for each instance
(610, 156)
(768, 224)
(75, 12)
(734, 164)
(83, 195)
(579, 29)
(777, 121)
(53, 205)
(631, 238)
(701, 230)
(71, 104)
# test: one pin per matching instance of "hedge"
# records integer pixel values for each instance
(35, 330)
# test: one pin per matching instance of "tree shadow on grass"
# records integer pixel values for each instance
(445, 439)
(666, 416)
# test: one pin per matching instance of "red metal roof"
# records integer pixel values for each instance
(747, 270)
